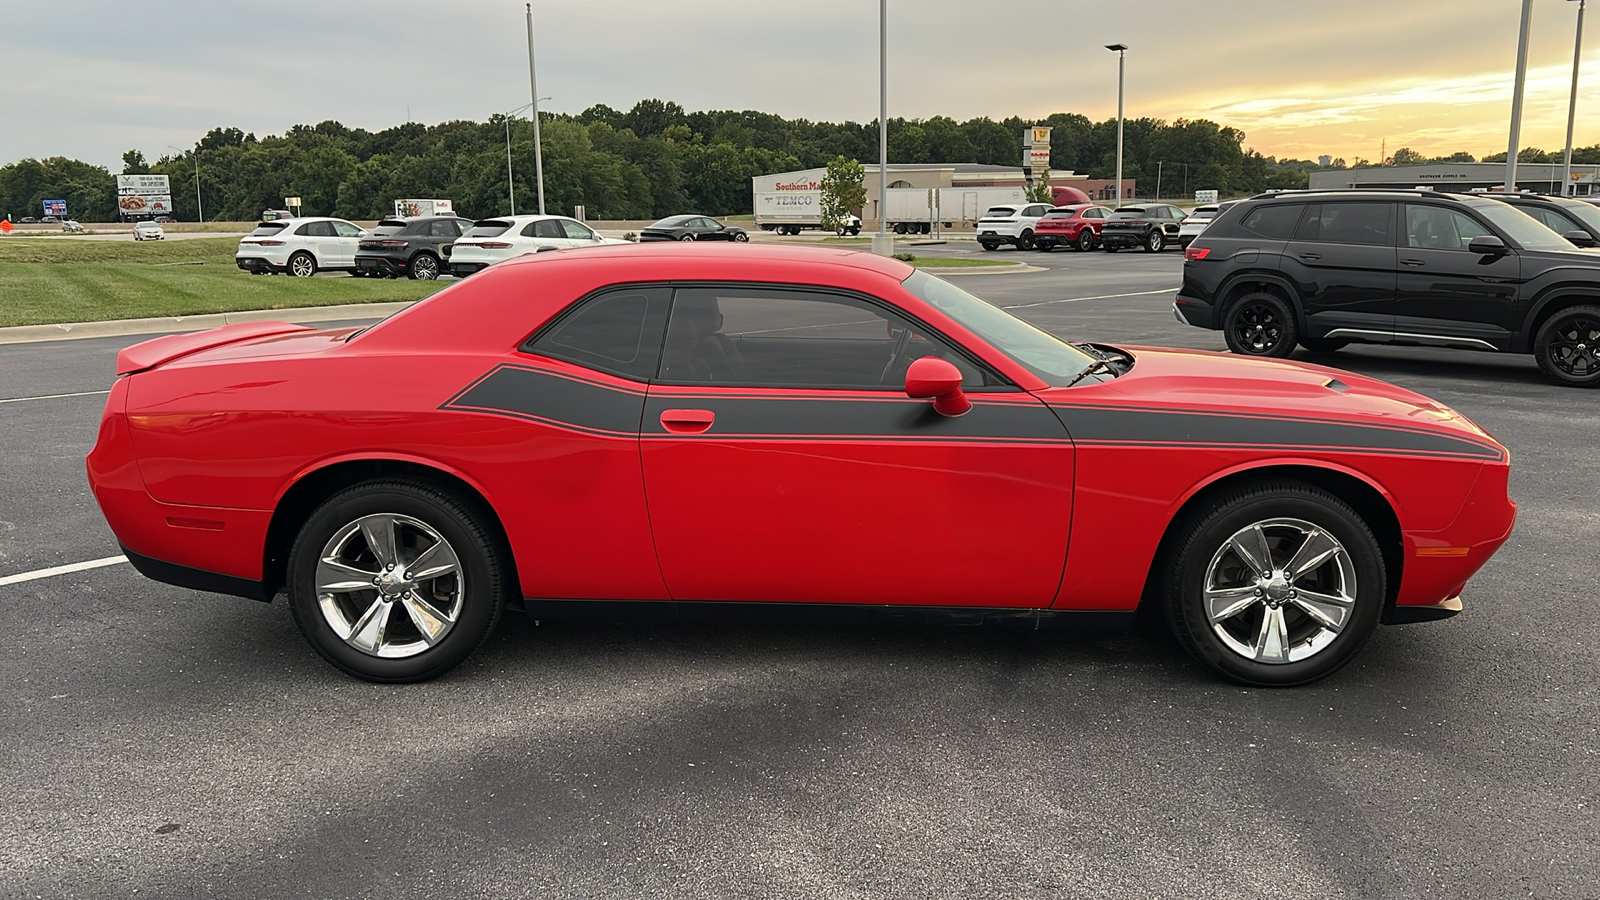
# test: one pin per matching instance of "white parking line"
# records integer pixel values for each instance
(1100, 297)
(53, 396)
(61, 570)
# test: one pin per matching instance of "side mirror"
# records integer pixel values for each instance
(1487, 245)
(1580, 238)
(935, 378)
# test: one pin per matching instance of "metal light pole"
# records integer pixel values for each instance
(198, 205)
(1572, 106)
(1516, 96)
(1122, 53)
(533, 88)
(882, 243)
(511, 187)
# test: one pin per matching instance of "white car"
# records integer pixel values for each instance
(1010, 225)
(146, 231)
(301, 247)
(492, 240)
(1198, 220)
(71, 226)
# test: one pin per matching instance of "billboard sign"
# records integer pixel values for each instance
(55, 207)
(1202, 198)
(144, 195)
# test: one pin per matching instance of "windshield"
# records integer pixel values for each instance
(1528, 232)
(1583, 212)
(1053, 360)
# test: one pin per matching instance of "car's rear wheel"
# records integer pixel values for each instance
(1155, 241)
(741, 237)
(1260, 324)
(1086, 239)
(1025, 240)
(1274, 584)
(987, 245)
(687, 237)
(425, 267)
(302, 265)
(1567, 347)
(396, 580)
(1323, 345)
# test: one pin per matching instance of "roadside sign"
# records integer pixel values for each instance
(55, 207)
(1202, 198)
(6, 226)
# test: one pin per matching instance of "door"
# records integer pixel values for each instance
(1448, 294)
(323, 243)
(783, 462)
(347, 239)
(1342, 259)
(544, 233)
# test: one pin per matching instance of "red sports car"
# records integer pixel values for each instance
(709, 427)
(1070, 226)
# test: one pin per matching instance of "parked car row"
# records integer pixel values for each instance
(1091, 226)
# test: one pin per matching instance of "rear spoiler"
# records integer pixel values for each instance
(150, 354)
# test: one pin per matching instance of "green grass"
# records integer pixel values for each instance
(954, 262)
(50, 281)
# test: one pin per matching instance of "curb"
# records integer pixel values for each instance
(72, 331)
(1007, 269)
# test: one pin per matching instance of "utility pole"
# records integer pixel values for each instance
(1572, 107)
(1122, 51)
(882, 243)
(1516, 96)
(533, 86)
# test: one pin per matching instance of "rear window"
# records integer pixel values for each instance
(1128, 212)
(1000, 212)
(266, 228)
(1066, 213)
(388, 227)
(488, 228)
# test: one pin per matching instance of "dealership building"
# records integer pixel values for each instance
(1544, 178)
(937, 175)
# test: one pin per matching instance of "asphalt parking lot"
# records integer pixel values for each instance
(181, 744)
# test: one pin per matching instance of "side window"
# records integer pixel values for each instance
(315, 229)
(1036, 211)
(1095, 213)
(617, 332)
(777, 338)
(1437, 228)
(577, 230)
(1347, 223)
(1552, 220)
(463, 226)
(345, 229)
(443, 228)
(546, 228)
(1275, 222)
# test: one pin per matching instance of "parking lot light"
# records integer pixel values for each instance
(1122, 53)
(533, 87)
(1567, 187)
(1516, 96)
(199, 206)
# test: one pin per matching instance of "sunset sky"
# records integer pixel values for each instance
(92, 78)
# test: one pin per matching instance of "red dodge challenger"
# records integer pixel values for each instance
(710, 427)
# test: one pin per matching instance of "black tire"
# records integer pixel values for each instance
(1567, 347)
(855, 230)
(1025, 240)
(1201, 555)
(483, 565)
(687, 237)
(1323, 345)
(1044, 245)
(1260, 324)
(1086, 239)
(1155, 241)
(302, 265)
(1111, 249)
(425, 267)
(741, 237)
(987, 245)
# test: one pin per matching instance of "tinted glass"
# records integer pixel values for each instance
(672, 221)
(1094, 213)
(1549, 218)
(389, 227)
(316, 229)
(544, 228)
(1437, 228)
(443, 228)
(617, 332)
(1000, 212)
(266, 228)
(1053, 360)
(1583, 212)
(750, 336)
(1347, 223)
(1274, 222)
(488, 228)
(1528, 234)
(1130, 212)
(576, 230)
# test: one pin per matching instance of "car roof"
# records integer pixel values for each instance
(723, 251)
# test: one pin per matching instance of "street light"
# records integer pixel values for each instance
(1572, 105)
(533, 91)
(1121, 50)
(882, 243)
(1516, 96)
(511, 188)
(199, 207)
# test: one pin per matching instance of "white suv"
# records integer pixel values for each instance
(493, 240)
(301, 247)
(1010, 225)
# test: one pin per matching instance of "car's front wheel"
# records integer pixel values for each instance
(1567, 347)
(396, 580)
(425, 267)
(1260, 324)
(1274, 583)
(302, 265)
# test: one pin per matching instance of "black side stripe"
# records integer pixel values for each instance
(560, 400)
(898, 419)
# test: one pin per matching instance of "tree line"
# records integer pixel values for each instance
(654, 160)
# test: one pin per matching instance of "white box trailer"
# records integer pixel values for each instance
(410, 209)
(910, 212)
(789, 212)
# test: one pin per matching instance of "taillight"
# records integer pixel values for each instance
(389, 243)
(270, 243)
(494, 245)
(1196, 253)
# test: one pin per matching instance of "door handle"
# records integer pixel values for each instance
(687, 421)
(1411, 262)
(1310, 255)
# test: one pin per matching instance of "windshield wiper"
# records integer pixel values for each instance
(1091, 368)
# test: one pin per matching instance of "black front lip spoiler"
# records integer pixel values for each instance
(196, 579)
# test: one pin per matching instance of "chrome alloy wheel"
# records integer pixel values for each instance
(380, 562)
(302, 266)
(1280, 591)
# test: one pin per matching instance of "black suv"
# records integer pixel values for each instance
(1575, 220)
(414, 247)
(1152, 227)
(1323, 269)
